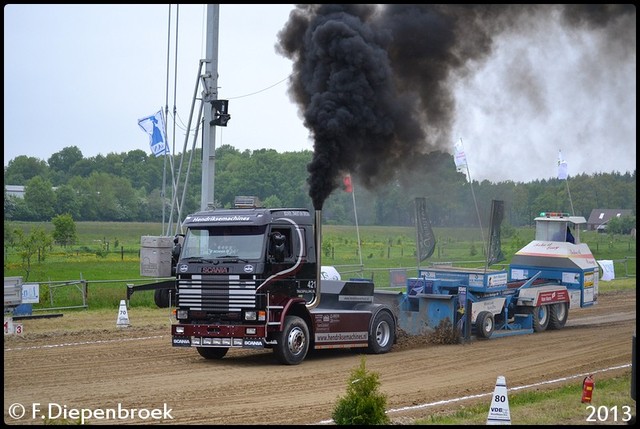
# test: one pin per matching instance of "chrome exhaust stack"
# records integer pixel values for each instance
(318, 245)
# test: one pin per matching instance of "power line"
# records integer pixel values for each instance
(262, 90)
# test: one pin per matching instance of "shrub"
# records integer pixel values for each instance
(362, 404)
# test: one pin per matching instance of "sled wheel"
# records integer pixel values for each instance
(540, 317)
(485, 324)
(558, 314)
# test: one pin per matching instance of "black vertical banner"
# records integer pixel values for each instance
(426, 240)
(495, 247)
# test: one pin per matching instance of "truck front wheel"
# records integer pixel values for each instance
(212, 352)
(161, 298)
(382, 335)
(293, 341)
(558, 315)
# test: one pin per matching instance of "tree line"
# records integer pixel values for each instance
(135, 186)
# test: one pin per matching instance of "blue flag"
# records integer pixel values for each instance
(154, 126)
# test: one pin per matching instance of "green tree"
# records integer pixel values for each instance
(621, 225)
(363, 404)
(61, 164)
(23, 168)
(64, 232)
(40, 198)
(36, 243)
(67, 201)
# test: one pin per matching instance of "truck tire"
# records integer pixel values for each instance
(212, 352)
(164, 297)
(293, 341)
(382, 335)
(485, 324)
(540, 317)
(558, 314)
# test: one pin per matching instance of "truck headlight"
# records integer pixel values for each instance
(181, 314)
(250, 315)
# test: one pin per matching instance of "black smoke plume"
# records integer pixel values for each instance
(375, 82)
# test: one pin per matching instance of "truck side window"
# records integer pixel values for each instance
(280, 246)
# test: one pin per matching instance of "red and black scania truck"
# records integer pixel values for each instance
(250, 277)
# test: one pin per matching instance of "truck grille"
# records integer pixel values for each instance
(217, 293)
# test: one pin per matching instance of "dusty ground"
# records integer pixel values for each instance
(84, 361)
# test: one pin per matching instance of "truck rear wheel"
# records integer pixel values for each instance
(485, 324)
(382, 335)
(540, 317)
(293, 341)
(558, 314)
(212, 352)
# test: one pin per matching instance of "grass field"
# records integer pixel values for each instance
(611, 404)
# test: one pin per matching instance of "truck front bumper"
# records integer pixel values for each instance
(242, 336)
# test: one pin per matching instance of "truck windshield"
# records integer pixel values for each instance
(220, 242)
(551, 230)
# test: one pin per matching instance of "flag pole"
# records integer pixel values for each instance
(484, 244)
(415, 204)
(573, 213)
(563, 174)
(348, 187)
(355, 213)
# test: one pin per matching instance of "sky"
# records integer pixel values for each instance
(83, 75)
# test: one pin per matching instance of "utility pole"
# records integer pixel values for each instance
(210, 94)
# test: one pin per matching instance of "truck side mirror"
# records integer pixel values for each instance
(177, 247)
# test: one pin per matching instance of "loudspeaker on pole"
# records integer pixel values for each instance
(499, 410)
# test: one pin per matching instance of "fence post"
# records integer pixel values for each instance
(85, 293)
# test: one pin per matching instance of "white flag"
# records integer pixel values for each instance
(608, 272)
(563, 170)
(154, 126)
(459, 157)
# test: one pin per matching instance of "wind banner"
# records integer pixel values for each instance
(563, 169)
(495, 254)
(459, 157)
(154, 126)
(426, 239)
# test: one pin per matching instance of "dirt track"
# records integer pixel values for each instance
(84, 361)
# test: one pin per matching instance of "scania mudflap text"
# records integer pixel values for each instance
(550, 275)
(249, 277)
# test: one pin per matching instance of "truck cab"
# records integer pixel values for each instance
(555, 226)
(558, 259)
(249, 277)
